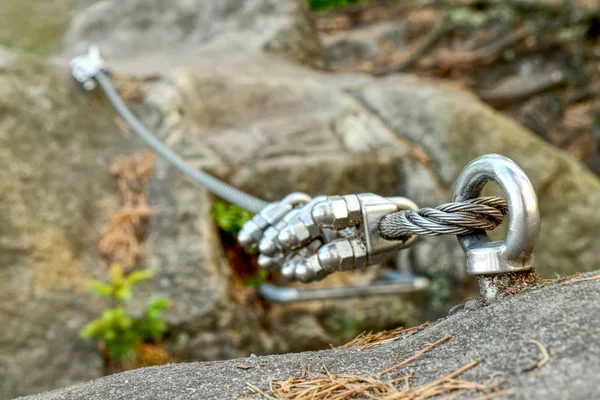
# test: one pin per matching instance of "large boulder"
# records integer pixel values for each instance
(290, 129)
(126, 29)
(192, 29)
(266, 125)
(559, 318)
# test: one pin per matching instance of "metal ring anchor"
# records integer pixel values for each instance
(515, 253)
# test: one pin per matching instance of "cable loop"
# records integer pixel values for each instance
(457, 218)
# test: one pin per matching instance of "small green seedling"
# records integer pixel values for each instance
(120, 332)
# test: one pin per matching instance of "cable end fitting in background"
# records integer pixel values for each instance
(85, 68)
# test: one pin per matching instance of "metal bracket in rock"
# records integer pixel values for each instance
(514, 255)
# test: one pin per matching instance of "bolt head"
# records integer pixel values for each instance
(287, 239)
(301, 233)
(340, 213)
(303, 273)
(311, 226)
(270, 263)
(337, 256)
(267, 247)
(249, 235)
(322, 214)
(288, 271)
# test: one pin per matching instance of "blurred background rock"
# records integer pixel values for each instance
(273, 98)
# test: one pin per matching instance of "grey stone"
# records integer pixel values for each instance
(563, 318)
(129, 29)
(269, 127)
(395, 33)
(55, 149)
(268, 132)
(176, 32)
(348, 50)
(7, 58)
(520, 87)
(364, 44)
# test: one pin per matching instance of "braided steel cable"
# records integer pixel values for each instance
(215, 185)
(458, 218)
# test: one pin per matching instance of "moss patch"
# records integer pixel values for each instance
(34, 25)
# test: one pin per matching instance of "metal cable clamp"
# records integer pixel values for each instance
(85, 68)
(327, 235)
(324, 235)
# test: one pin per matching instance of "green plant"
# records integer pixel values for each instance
(329, 4)
(120, 332)
(257, 279)
(229, 217)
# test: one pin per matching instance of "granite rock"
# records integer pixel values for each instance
(564, 319)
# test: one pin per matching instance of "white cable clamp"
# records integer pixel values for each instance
(85, 68)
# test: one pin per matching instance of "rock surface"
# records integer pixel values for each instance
(131, 28)
(34, 25)
(268, 126)
(56, 151)
(364, 44)
(563, 318)
(53, 177)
